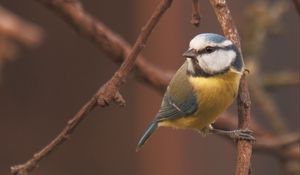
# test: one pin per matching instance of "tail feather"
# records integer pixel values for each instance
(152, 127)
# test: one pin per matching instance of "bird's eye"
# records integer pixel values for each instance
(209, 49)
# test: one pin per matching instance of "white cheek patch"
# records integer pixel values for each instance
(216, 61)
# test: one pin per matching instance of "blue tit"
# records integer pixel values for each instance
(203, 87)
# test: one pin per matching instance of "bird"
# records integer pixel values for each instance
(203, 87)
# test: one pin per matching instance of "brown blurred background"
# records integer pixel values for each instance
(44, 86)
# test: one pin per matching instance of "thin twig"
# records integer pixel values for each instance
(14, 28)
(108, 92)
(63, 136)
(196, 18)
(280, 79)
(120, 75)
(280, 142)
(286, 147)
(224, 17)
(244, 148)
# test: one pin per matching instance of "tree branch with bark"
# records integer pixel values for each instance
(118, 50)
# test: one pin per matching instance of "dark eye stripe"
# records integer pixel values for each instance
(211, 49)
(207, 50)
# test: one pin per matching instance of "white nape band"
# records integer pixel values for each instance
(226, 43)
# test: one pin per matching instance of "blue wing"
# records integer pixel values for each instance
(171, 109)
(180, 99)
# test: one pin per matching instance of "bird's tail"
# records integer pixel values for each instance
(152, 127)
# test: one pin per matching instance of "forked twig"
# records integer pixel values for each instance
(196, 18)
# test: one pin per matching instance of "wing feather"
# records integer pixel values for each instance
(180, 99)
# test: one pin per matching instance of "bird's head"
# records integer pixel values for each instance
(211, 54)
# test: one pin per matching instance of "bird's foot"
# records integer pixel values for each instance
(238, 134)
(242, 135)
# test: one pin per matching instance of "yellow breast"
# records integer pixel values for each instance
(214, 95)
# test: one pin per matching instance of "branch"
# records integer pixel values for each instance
(113, 85)
(244, 148)
(108, 92)
(116, 48)
(278, 143)
(281, 79)
(285, 147)
(14, 29)
(196, 18)
(63, 136)
(17, 29)
(224, 16)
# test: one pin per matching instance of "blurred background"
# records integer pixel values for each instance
(44, 82)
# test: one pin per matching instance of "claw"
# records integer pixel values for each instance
(243, 135)
(238, 134)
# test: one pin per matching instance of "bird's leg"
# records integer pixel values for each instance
(205, 131)
(235, 134)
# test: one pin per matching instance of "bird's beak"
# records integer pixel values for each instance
(191, 53)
